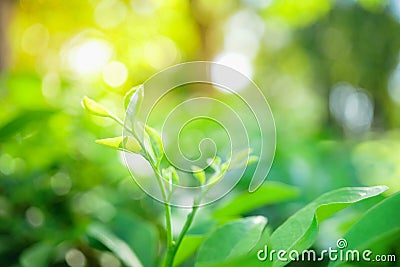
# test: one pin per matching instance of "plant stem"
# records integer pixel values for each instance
(168, 224)
(166, 205)
(172, 247)
(169, 261)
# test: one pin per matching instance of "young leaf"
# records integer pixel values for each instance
(199, 174)
(133, 100)
(114, 244)
(219, 174)
(175, 176)
(231, 240)
(95, 108)
(268, 193)
(251, 160)
(215, 163)
(379, 222)
(300, 230)
(167, 175)
(126, 143)
(240, 158)
(154, 141)
(129, 95)
(131, 144)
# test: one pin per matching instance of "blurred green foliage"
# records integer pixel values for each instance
(329, 69)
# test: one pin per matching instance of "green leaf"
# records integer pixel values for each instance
(380, 222)
(126, 143)
(95, 108)
(219, 174)
(215, 163)
(199, 174)
(175, 176)
(37, 255)
(114, 244)
(187, 248)
(250, 259)
(240, 158)
(231, 240)
(129, 95)
(268, 193)
(140, 235)
(133, 100)
(170, 175)
(300, 230)
(154, 141)
(18, 123)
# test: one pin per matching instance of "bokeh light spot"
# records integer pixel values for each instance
(236, 61)
(35, 39)
(34, 216)
(160, 52)
(115, 74)
(351, 107)
(110, 13)
(75, 258)
(89, 57)
(60, 183)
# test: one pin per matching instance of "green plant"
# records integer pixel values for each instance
(152, 150)
(224, 238)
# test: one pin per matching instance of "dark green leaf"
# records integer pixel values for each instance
(132, 229)
(18, 123)
(269, 193)
(114, 244)
(37, 255)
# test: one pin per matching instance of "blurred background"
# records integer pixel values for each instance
(329, 69)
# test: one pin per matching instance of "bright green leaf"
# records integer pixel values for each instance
(231, 240)
(300, 230)
(114, 244)
(268, 193)
(215, 163)
(167, 175)
(95, 108)
(219, 174)
(250, 259)
(380, 222)
(170, 175)
(187, 248)
(240, 158)
(175, 176)
(126, 143)
(199, 174)
(154, 142)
